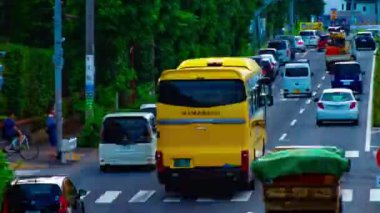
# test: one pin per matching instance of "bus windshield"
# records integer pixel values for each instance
(201, 93)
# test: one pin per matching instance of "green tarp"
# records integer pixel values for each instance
(327, 160)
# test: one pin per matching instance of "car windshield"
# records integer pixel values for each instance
(125, 130)
(277, 45)
(337, 96)
(306, 33)
(201, 93)
(297, 72)
(347, 70)
(34, 196)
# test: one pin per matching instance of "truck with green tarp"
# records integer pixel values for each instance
(302, 178)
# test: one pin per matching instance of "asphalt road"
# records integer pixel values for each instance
(291, 122)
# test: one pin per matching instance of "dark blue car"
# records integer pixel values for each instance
(348, 75)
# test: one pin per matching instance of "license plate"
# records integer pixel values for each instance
(363, 40)
(297, 91)
(346, 83)
(182, 163)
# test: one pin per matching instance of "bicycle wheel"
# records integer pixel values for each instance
(29, 150)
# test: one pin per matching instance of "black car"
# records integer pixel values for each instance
(365, 41)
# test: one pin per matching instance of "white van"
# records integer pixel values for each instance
(127, 139)
(297, 79)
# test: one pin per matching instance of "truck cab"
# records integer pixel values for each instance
(347, 75)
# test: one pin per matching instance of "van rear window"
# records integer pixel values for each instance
(201, 93)
(297, 72)
(277, 45)
(126, 130)
(344, 70)
(306, 33)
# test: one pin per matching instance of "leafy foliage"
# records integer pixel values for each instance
(376, 101)
(6, 174)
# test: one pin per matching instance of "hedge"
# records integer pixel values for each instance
(6, 175)
(28, 88)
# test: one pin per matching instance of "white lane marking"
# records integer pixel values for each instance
(173, 199)
(283, 136)
(323, 77)
(314, 93)
(352, 154)
(293, 122)
(319, 86)
(302, 110)
(308, 101)
(347, 195)
(367, 147)
(142, 196)
(205, 200)
(84, 196)
(108, 197)
(290, 99)
(374, 195)
(242, 196)
(26, 172)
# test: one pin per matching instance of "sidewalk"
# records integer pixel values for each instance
(44, 161)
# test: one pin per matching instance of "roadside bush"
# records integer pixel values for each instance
(6, 175)
(376, 95)
(90, 134)
(28, 80)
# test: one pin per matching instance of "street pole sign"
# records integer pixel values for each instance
(333, 14)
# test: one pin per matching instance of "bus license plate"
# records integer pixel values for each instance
(182, 163)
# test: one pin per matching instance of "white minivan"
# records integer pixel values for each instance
(127, 139)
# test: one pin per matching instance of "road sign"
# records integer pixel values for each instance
(333, 14)
(90, 81)
(378, 181)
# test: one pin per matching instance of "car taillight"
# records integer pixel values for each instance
(300, 42)
(63, 204)
(320, 105)
(352, 105)
(159, 162)
(245, 160)
(5, 208)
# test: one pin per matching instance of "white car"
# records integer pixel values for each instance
(337, 104)
(272, 60)
(152, 108)
(300, 44)
(127, 139)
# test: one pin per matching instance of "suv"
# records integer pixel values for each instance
(310, 37)
(43, 194)
(283, 50)
(365, 40)
(292, 42)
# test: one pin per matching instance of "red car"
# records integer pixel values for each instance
(322, 42)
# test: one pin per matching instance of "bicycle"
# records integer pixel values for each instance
(26, 149)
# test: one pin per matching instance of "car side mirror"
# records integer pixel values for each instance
(82, 192)
(316, 99)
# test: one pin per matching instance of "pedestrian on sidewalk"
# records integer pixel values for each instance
(51, 130)
(9, 125)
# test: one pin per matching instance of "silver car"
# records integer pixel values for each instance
(300, 44)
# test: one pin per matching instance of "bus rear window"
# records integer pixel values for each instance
(201, 93)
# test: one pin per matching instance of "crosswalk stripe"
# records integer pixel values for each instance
(173, 199)
(352, 154)
(205, 200)
(242, 196)
(84, 196)
(108, 197)
(142, 196)
(374, 195)
(347, 195)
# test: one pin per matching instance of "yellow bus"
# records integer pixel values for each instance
(211, 121)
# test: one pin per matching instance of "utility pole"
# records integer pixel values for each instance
(90, 52)
(352, 12)
(291, 15)
(58, 64)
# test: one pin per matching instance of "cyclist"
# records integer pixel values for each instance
(16, 141)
